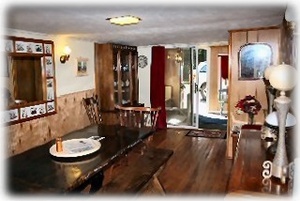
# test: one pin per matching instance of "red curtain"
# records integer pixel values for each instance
(157, 84)
(224, 67)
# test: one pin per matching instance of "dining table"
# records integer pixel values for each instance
(37, 171)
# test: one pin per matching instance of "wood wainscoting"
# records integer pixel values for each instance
(70, 116)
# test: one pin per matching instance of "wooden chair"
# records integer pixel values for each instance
(91, 105)
(138, 116)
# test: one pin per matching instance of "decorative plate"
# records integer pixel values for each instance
(143, 61)
(76, 147)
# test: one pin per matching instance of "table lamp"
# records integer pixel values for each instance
(282, 78)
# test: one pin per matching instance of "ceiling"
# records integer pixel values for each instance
(190, 24)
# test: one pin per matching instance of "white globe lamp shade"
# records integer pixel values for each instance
(268, 71)
(272, 119)
(283, 77)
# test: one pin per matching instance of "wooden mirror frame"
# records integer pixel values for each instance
(253, 59)
(24, 111)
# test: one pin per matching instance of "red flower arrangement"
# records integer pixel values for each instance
(249, 105)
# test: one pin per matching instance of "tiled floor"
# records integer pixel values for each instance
(180, 118)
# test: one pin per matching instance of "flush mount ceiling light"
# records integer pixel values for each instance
(124, 20)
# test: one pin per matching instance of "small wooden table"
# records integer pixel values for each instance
(36, 171)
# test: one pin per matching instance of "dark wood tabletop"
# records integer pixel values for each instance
(247, 169)
(37, 171)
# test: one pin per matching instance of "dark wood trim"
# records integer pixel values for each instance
(254, 29)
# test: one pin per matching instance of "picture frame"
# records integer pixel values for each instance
(9, 46)
(48, 48)
(82, 66)
(253, 59)
(49, 66)
(7, 65)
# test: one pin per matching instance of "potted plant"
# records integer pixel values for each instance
(249, 105)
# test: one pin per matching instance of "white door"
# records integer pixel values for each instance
(195, 87)
(199, 84)
(191, 91)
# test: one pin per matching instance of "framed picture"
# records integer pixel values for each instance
(82, 66)
(48, 48)
(37, 48)
(9, 46)
(21, 46)
(253, 59)
(49, 66)
(7, 65)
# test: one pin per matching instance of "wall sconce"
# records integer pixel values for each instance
(65, 57)
(282, 78)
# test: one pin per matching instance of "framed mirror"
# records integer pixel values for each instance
(29, 90)
(253, 59)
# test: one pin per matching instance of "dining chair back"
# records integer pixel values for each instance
(138, 116)
(91, 105)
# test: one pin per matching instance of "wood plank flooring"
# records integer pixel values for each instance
(198, 166)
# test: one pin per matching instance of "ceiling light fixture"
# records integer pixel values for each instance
(124, 20)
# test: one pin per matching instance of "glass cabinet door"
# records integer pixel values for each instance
(125, 76)
(116, 72)
(134, 75)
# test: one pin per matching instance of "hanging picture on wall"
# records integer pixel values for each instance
(253, 59)
(50, 107)
(12, 115)
(50, 89)
(49, 66)
(82, 66)
(9, 46)
(48, 48)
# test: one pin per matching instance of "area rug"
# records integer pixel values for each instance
(208, 133)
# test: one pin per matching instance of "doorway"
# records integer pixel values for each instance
(187, 90)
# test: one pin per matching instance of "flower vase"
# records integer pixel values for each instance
(250, 118)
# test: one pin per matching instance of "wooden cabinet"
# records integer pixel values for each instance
(116, 77)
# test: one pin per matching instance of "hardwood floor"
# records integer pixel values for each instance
(197, 167)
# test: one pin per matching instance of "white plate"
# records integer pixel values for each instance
(76, 147)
